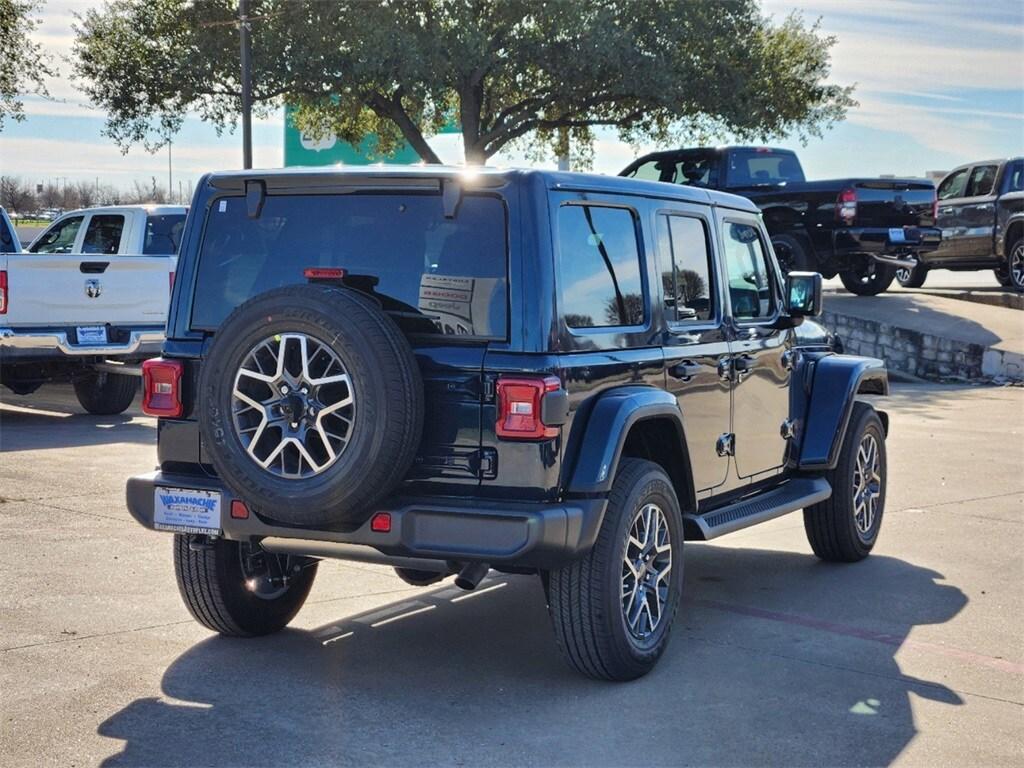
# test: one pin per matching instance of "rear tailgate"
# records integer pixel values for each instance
(50, 290)
(884, 203)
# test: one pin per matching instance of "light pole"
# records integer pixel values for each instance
(246, 57)
(170, 176)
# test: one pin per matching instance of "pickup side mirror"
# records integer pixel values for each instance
(803, 294)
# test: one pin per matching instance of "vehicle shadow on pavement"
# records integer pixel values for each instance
(28, 430)
(776, 659)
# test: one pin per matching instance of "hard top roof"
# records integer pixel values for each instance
(487, 176)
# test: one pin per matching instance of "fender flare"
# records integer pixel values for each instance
(837, 380)
(600, 442)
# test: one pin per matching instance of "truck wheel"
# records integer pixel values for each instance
(613, 608)
(867, 277)
(239, 590)
(1002, 274)
(1015, 265)
(913, 277)
(792, 254)
(844, 527)
(311, 404)
(105, 394)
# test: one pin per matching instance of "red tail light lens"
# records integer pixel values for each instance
(161, 387)
(520, 400)
(3, 292)
(170, 287)
(846, 206)
(935, 209)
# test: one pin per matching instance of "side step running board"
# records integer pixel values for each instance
(798, 493)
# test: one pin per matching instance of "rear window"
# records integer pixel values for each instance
(163, 234)
(758, 167)
(692, 169)
(432, 274)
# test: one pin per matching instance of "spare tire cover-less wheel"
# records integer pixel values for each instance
(311, 405)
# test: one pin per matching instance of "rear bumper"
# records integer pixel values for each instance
(891, 246)
(41, 343)
(473, 530)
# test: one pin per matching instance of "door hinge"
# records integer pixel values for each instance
(726, 445)
(489, 387)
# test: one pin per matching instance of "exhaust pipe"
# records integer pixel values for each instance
(471, 575)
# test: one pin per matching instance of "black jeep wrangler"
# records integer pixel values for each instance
(536, 372)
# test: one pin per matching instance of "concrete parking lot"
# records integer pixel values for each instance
(914, 656)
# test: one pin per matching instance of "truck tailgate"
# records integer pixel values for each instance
(50, 290)
(894, 203)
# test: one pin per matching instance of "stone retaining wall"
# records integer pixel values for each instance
(911, 352)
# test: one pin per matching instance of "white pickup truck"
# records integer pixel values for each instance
(87, 300)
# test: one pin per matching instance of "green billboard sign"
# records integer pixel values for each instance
(301, 149)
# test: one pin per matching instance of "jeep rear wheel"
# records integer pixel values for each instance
(613, 608)
(311, 405)
(237, 589)
(844, 527)
(106, 394)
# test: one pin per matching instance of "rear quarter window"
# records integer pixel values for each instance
(163, 234)
(433, 275)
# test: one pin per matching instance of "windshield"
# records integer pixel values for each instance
(762, 167)
(432, 274)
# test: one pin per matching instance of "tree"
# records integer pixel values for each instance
(16, 196)
(23, 65)
(528, 72)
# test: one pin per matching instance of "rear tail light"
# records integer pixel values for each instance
(935, 209)
(3, 292)
(846, 206)
(521, 407)
(161, 387)
(170, 281)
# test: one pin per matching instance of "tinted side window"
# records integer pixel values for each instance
(953, 186)
(1014, 177)
(60, 238)
(687, 284)
(983, 178)
(599, 267)
(103, 234)
(163, 234)
(750, 284)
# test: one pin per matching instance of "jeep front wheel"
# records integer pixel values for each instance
(844, 527)
(237, 589)
(613, 608)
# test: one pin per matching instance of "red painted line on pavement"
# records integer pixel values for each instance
(865, 634)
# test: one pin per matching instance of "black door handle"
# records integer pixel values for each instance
(685, 370)
(742, 365)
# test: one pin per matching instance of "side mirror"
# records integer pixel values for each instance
(803, 294)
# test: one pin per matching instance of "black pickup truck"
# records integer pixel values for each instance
(860, 229)
(981, 214)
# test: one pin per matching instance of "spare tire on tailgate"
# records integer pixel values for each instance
(311, 404)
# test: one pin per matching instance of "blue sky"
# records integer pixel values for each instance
(940, 82)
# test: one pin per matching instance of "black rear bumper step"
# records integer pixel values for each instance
(535, 535)
(795, 494)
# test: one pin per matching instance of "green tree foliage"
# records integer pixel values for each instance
(532, 73)
(23, 65)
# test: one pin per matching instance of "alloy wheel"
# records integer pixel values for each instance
(646, 566)
(867, 486)
(1017, 265)
(293, 406)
